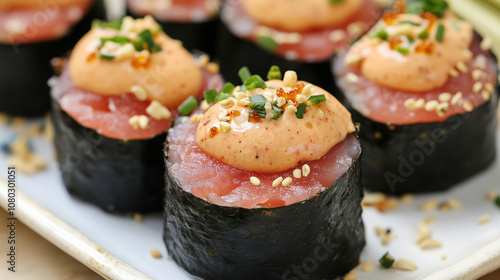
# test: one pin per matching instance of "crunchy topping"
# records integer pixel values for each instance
(351, 77)
(255, 181)
(277, 181)
(385, 235)
(468, 106)
(306, 170)
(351, 275)
(158, 111)
(367, 266)
(297, 173)
(429, 244)
(139, 92)
(404, 264)
(290, 79)
(407, 198)
(484, 219)
(155, 253)
(287, 181)
(453, 72)
(137, 217)
(139, 121)
(196, 118)
(491, 195)
(462, 67)
(429, 205)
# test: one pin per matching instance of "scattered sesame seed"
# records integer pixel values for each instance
(485, 95)
(453, 72)
(420, 103)
(477, 74)
(138, 217)
(489, 87)
(290, 78)
(255, 181)
(352, 59)
(385, 235)
(431, 105)
(223, 113)
(158, 111)
(139, 121)
(306, 170)
(367, 266)
(125, 51)
(373, 198)
(320, 113)
(477, 87)
(292, 38)
(291, 108)
(429, 219)
(468, 106)
(155, 253)
(491, 195)
(429, 205)
(204, 105)
(480, 61)
(297, 173)
(403, 264)
(443, 257)
(356, 28)
(351, 77)
(456, 98)
(281, 101)
(429, 244)
(228, 102)
(468, 55)
(407, 198)
(139, 92)
(287, 181)
(484, 219)
(337, 35)
(462, 67)
(277, 181)
(308, 90)
(445, 97)
(245, 102)
(410, 104)
(454, 204)
(486, 43)
(196, 118)
(442, 107)
(240, 95)
(224, 126)
(203, 60)
(351, 275)
(213, 68)
(301, 98)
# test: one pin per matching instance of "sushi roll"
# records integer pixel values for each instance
(302, 35)
(265, 184)
(426, 96)
(113, 103)
(194, 22)
(32, 32)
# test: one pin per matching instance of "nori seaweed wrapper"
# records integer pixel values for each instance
(116, 175)
(25, 69)
(234, 53)
(320, 238)
(426, 157)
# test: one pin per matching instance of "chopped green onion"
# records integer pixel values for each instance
(117, 24)
(274, 73)
(106, 57)
(277, 112)
(410, 23)
(244, 74)
(497, 201)
(440, 33)
(223, 96)
(316, 98)
(271, 87)
(381, 34)
(335, 1)
(257, 100)
(413, 7)
(117, 39)
(424, 34)
(386, 261)
(255, 82)
(437, 7)
(402, 50)
(267, 43)
(228, 88)
(146, 41)
(210, 95)
(188, 106)
(410, 39)
(301, 110)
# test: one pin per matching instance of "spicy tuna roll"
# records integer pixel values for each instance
(301, 35)
(32, 32)
(265, 184)
(112, 105)
(194, 22)
(426, 96)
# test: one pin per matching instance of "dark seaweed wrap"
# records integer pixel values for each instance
(116, 175)
(193, 35)
(25, 69)
(320, 238)
(235, 52)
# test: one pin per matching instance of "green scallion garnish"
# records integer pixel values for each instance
(146, 41)
(244, 74)
(274, 73)
(255, 82)
(424, 34)
(117, 24)
(267, 43)
(316, 98)
(117, 39)
(381, 34)
(223, 96)
(402, 50)
(106, 57)
(210, 95)
(228, 88)
(257, 100)
(188, 106)
(497, 201)
(335, 1)
(440, 33)
(410, 23)
(386, 261)
(437, 7)
(301, 110)
(277, 112)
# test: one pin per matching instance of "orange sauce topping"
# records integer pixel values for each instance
(213, 131)
(390, 16)
(254, 117)
(91, 57)
(141, 62)
(292, 94)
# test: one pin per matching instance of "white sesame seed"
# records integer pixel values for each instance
(15, 26)
(480, 61)
(255, 181)
(445, 97)
(484, 219)
(407, 198)
(240, 95)
(489, 87)
(293, 38)
(454, 203)
(420, 103)
(143, 121)
(428, 205)
(125, 51)
(155, 253)
(281, 101)
(196, 118)
(306, 170)
(290, 78)
(224, 126)
(291, 108)
(477, 74)
(462, 67)
(486, 43)
(351, 275)
(213, 68)
(367, 266)
(337, 35)
(297, 173)
(403, 264)
(456, 98)
(245, 102)
(410, 103)
(228, 102)
(429, 244)
(287, 181)
(320, 113)
(301, 98)
(356, 28)
(158, 111)
(468, 106)
(453, 72)
(139, 92)
(468, 55)
(477, 87)
(491, 195)
(442, 107)
(277, 181)
(351, 77)
(203, 60)
(431, 105)
(204, 105)
(134, 121)
(485, 95)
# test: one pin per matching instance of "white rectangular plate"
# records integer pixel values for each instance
(118, 247)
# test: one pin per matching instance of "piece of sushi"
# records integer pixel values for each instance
(112, 105)
(426, 96)
(32, 33)
(266, 185)
(194, 22)
(302, 35)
